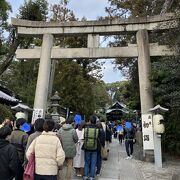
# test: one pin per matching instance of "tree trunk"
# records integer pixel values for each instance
(166, 6)
(9, 57)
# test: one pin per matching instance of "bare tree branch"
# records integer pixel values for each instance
(153, 5)
(166, 6)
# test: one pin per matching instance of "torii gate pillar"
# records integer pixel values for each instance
(43, 77)
(146, 97)
(144, 69)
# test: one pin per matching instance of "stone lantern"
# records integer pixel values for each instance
(158, 128)
(55, 104)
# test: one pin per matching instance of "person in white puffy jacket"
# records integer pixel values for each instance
(49, 154)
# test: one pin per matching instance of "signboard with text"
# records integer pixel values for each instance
(37, 113)
(147, 130)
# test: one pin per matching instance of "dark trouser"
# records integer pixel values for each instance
(120, 137)
(99, 162)
(115, 135)
(129, 144)
(19, 176)
(45, 177)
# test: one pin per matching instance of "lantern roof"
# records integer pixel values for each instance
(55, 96)
(158, 108)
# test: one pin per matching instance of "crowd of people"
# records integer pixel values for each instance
(59, 149)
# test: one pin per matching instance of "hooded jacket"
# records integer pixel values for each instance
(69, 139)
(9, 160)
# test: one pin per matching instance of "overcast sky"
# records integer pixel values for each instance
(90, 9)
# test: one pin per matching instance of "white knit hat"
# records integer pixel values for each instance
(20, 115)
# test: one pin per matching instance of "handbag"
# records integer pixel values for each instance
(134, 141)
(104, 153)
(29, 171)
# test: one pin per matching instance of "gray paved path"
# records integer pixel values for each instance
(116, 167)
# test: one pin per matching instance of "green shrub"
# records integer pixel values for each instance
(5, 111)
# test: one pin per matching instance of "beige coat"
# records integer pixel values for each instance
(49, 154)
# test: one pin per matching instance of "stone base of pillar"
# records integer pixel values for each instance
(176, 177)
(148, 156)
(138, 154)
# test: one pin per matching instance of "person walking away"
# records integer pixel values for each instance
(129, 134)
(120, 131)
(9, 160)
(115, 131)
(78, 161)
(103, 123)
(121, 135)
(19, 139)
(100, 145)
(49, 154)
(38, 126)
(69, 139)
(108, 134)
(92, 137)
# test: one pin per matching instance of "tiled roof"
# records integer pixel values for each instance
(21, 106)
(7, 98)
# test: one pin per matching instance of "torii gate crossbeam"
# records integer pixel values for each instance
(94, 53)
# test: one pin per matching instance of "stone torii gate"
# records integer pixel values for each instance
(93, 30)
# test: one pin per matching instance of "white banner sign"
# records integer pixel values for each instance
(37, 113)
(147, 129)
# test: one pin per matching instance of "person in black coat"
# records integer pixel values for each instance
(108, 135)
(101, 144)
(9, 160)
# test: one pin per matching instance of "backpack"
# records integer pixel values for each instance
(90, 138)
(130, 133)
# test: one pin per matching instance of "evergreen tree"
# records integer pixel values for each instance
(74, 79)
(20, 75)
(5, 8)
